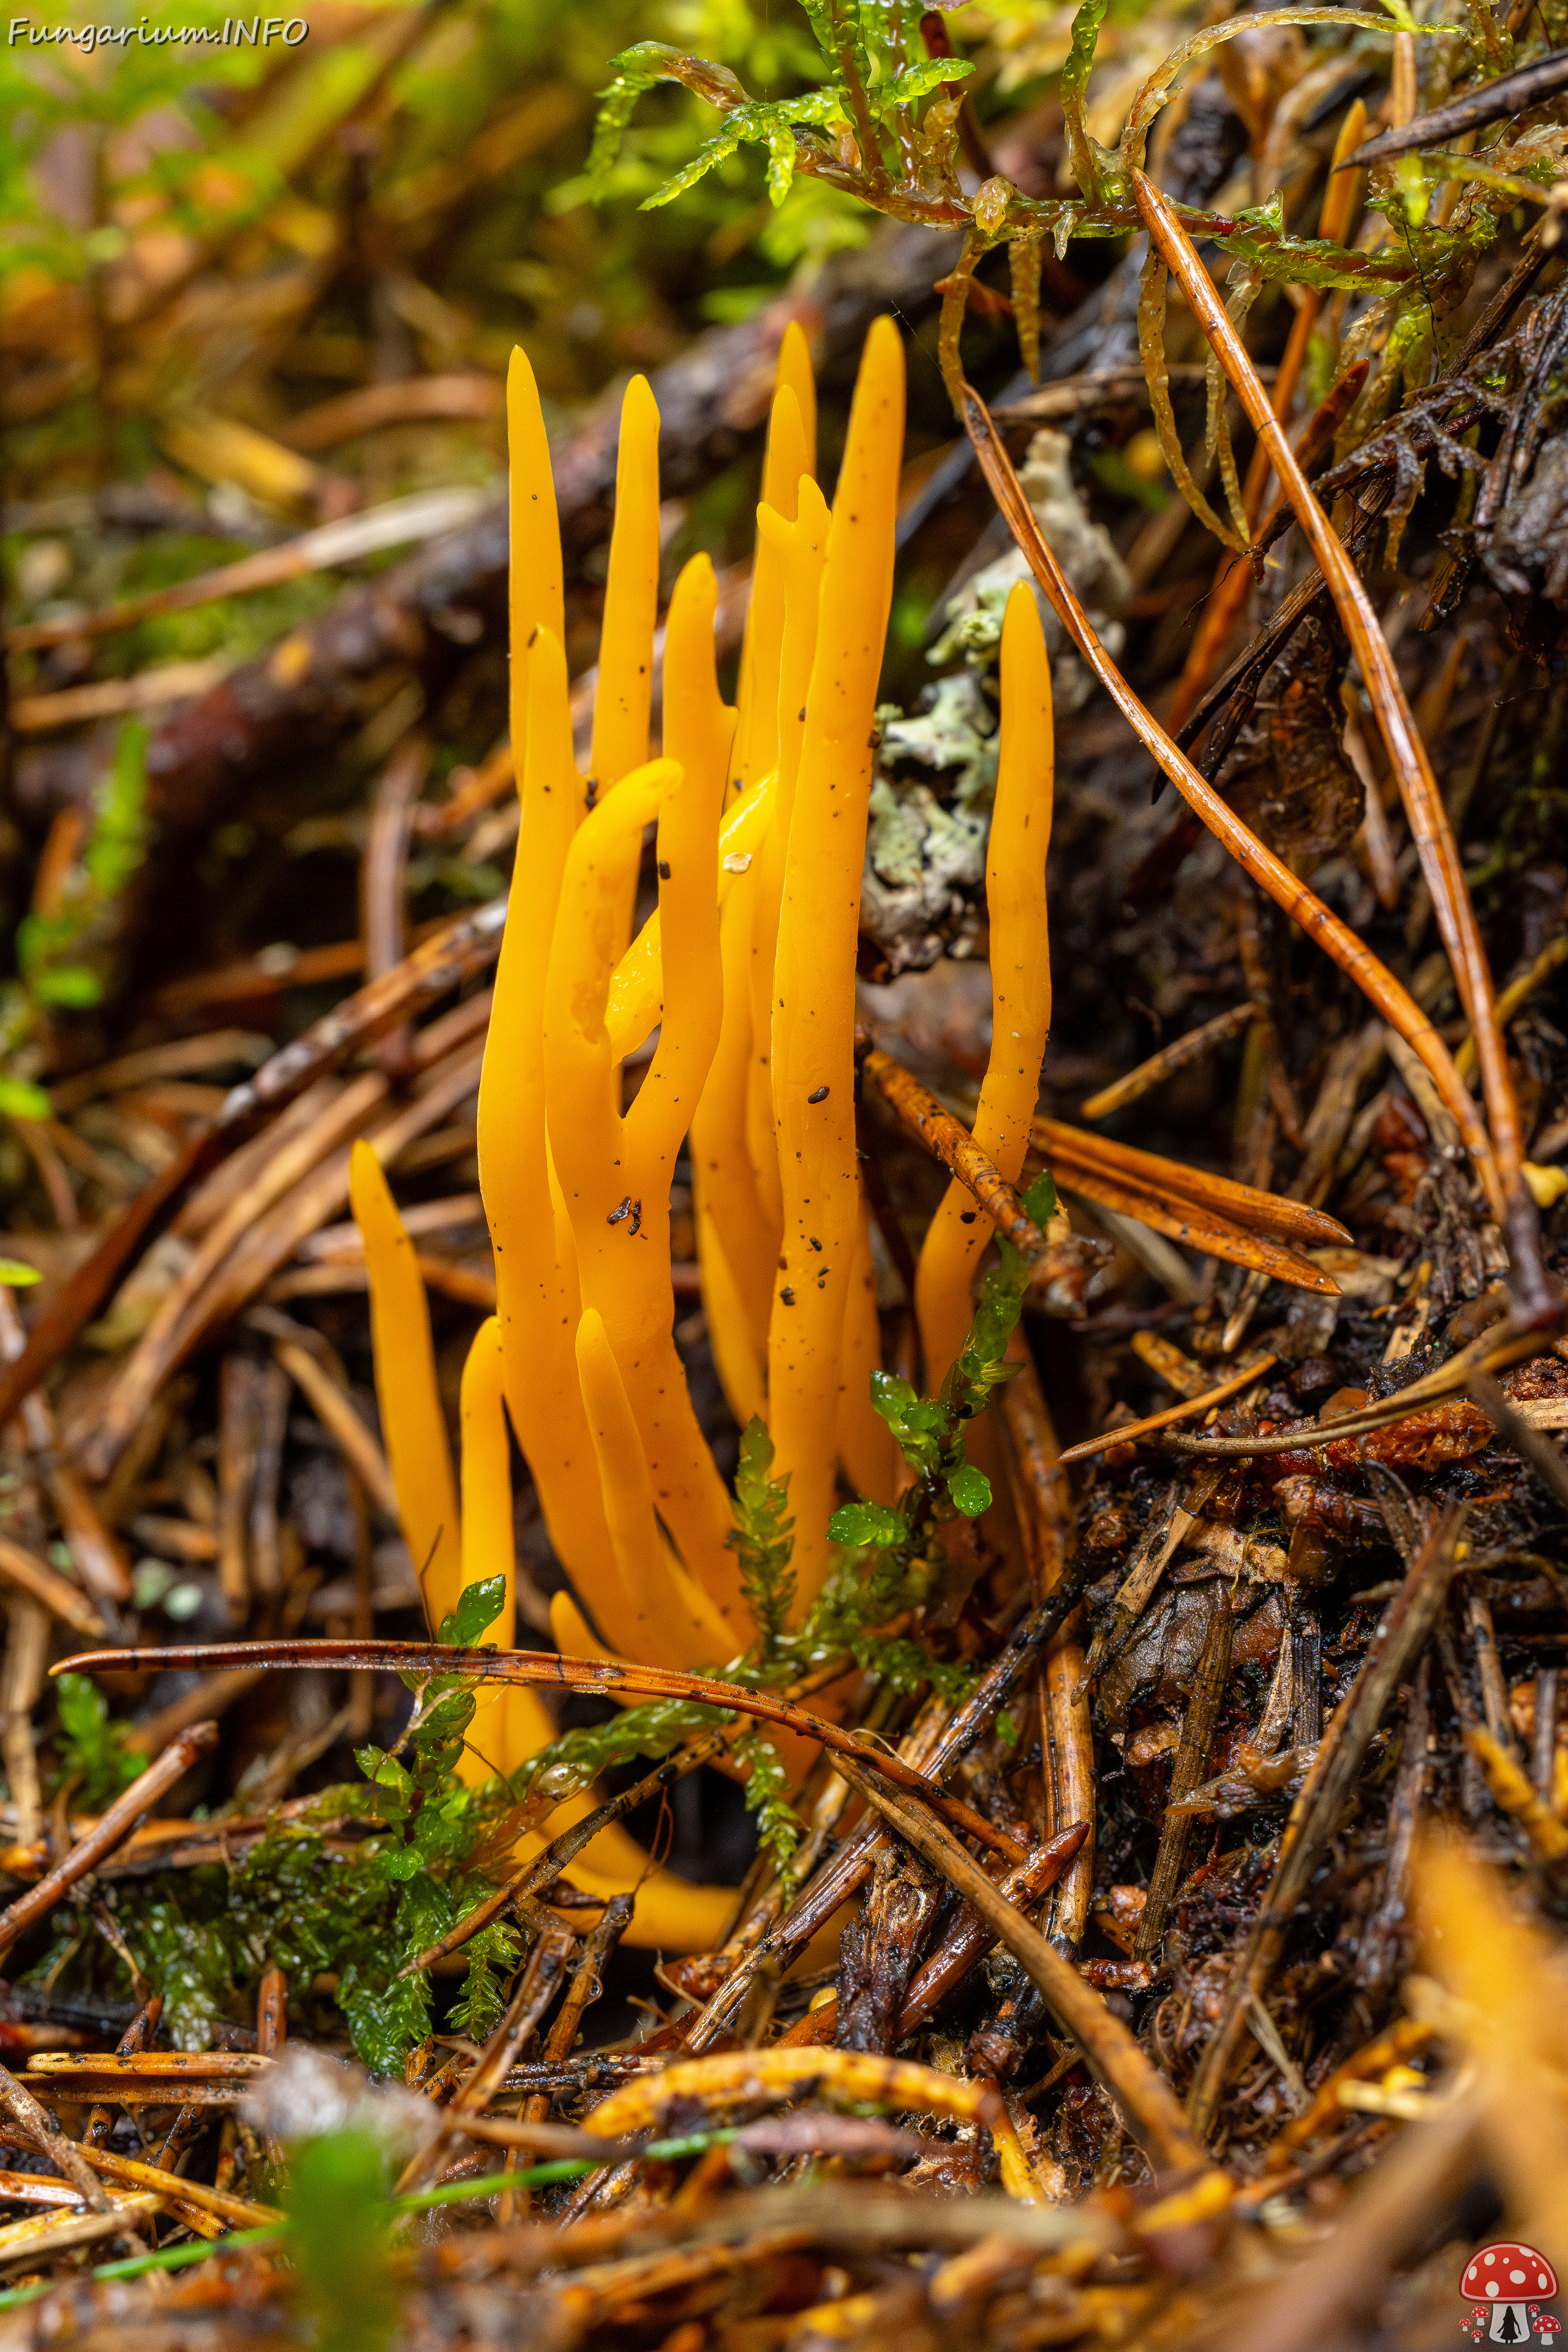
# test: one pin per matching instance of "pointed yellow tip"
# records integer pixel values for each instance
(884, 332)
(639, 404)
(795, 347)
(590, 1342)
(364, 1168)
(1020, 604)
(698, 571)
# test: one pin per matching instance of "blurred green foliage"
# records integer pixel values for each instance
(337, 2199)
(445, 146)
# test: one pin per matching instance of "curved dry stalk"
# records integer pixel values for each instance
(1246, 283)
(1156, 368)
(541, 1668)
(1372, 976)
(1537, 1298)
(1511, 93)
(1158, 86)
(955, 289)
(1233, 581)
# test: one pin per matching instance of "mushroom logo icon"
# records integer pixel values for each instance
(1504, 2284)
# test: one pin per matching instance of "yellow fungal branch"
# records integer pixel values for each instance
(536, 595)
(801, 551)
(813, 1040)
(1020, 979)
(624, 695)
(614, 1171)
(746, 972)
(511, 1721)
(536, 1298)
(791, 453)
(412, 1422)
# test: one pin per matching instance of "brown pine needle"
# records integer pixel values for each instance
(1516, 994)
(919, 1111)
(1204, 1230)
(1222, 1196)
(1304, 908)
(1170, 1058)
(1537, 1298)
(1450, 1379)
(535, 1667)
(1190, 1409)
(1233, 578)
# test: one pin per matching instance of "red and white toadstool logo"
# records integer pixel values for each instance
(1505, 2285)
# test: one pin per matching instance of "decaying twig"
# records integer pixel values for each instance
(115, 1824)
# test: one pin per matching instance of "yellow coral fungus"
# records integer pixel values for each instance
(746, 969)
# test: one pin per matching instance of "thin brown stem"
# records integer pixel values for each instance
(1176, 1056)
(1304, 908)
(1538, 1300)
(538, 1667)
(114, 1825)
(564, 1849)
(1190, 1409)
